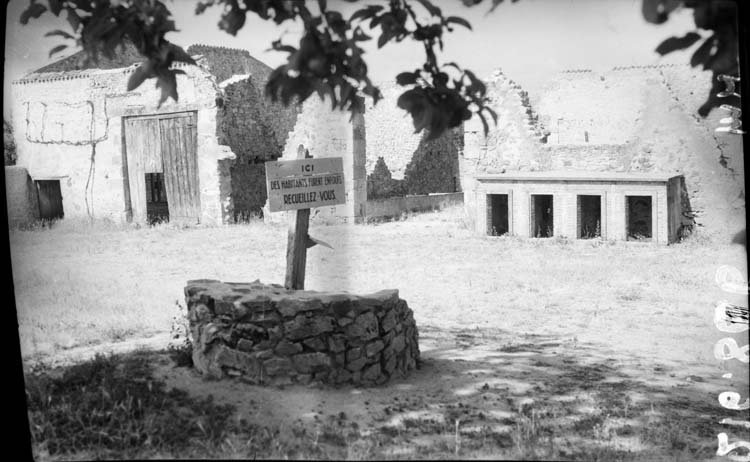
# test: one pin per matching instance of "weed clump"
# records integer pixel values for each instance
(112, 406)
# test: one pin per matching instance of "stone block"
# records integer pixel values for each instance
(388, 321)
(372, 372)
(315, 343)
(286, 348)
(289, 307)
(245, 345)
(353, 353)
(341, 376)
(237, 359)
(365, 327)
(390, 365)
(374, 347)
(307, 362)
(337, 343)
(210, 333)
(302, 327)
(277, 366)
(356, 364)
(202, 312)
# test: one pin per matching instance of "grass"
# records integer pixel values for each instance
(81, 285)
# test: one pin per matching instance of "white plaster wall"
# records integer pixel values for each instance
(59, 119)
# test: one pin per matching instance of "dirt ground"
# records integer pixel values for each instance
(530, 349)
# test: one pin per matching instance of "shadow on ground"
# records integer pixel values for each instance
(478, 396)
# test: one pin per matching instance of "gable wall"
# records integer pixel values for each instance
(62, 122)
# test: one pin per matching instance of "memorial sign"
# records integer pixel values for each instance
(305, 183)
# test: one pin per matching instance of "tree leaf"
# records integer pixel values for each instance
(406, 78)
(432, 9)
(59, 32)
(57, 49)
(703, 53)
(232, 21)
(55, 6)
(73, 19)
(459, 21)
(140, 74)
(657, 11)
(34, 10)
(384, 37)
(677, 43)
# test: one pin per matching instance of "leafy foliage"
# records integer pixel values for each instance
(328, 59)
(718, 53)
(8, 144)
(100, 26)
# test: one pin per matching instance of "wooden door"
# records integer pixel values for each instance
(163, 144)
(178, 147)
(143, 148)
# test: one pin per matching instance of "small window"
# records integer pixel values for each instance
(542, 215)
(50, 199)
(497, 214)
(638, 213)
(589, 217)
(157, 208)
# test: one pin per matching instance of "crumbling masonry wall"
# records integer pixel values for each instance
(416, 164)
(265, 334)
(256, 130)
(69, 127)
(635, 119)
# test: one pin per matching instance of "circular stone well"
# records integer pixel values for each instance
(266, 334)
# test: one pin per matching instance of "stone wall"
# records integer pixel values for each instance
(256, 131)
(20, 194)
(376, 209)
(265, 334)
(425, 166)
(223, 62)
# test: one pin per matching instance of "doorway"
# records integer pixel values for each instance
(162, 168)
(589, 217)
(49, 197)
(497, 214)
(638, 213)
(542, 215)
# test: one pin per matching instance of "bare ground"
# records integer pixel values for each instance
(531, 349)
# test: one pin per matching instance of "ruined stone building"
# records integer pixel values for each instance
(383, 157)
(621, 155)
(88, 148)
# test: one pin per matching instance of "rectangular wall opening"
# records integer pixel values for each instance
(49, 197)
(589, 217)
(542, 215)
(497, 214)
(157, 207)
(638, 214)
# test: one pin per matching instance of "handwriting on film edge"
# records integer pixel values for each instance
(733, 319)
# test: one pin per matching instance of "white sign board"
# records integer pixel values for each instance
(305, 183)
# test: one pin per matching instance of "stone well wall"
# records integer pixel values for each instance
(266, 334)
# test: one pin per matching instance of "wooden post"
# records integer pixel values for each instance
(297, 241)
